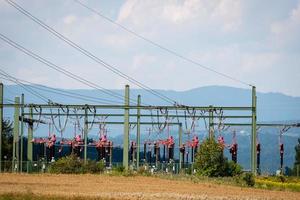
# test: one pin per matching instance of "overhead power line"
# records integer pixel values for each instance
(62, 92)
(161, 46)
(30, 90)
(57, 68)
(88, 53)
(8, 100)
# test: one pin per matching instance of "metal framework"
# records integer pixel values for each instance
(28, 117)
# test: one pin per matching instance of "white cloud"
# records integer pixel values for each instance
(223, 34)
(229, 12)
(70, 19)
(142, 60)
(286, 32)
(150, 14)
(117, 40)
(259, 62)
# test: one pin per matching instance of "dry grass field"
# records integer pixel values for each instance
(119, 187)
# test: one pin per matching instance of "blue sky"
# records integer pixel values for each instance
(255, 41)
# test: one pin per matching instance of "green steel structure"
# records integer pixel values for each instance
(126, 129)
(15, 155)
(22, 132)
(29, 139)
(254, 132)
(28, 111)
(138, 132)
(1, 117)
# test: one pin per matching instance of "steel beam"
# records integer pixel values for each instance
(294, 125)
(145, 115)
(29, 142)
(253, 132)
(85, 134)
(180, 144)
(135, 123)
(22, 133)
(126, 129)
(206, 108)
(16, 153)
(138, 133)
(1, 121)
(211, 122)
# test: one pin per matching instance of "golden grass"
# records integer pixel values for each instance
(31, 196)
(107, 187)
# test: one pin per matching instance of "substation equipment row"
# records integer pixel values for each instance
(154, 151)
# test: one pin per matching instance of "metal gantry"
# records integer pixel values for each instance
(28, 117)
(1, 120)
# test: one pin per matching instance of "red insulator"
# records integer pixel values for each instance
(281, 147)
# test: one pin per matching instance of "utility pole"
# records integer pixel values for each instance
(85, 133)
(211, 122)
(138, 132)
(1, 120)
(22, 132)
(253, 132)
(16, 152)
(29, 140)
(180, 144)
(126, 129)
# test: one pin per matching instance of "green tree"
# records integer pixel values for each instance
(297, 157)
(210, 160)
(7, 140)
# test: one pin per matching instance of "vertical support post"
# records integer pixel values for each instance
(253, 132)
(1, 120)
(126, 129)
(16, 152)
(110, 154)
(211, 122)
(85, 133)
(180, 144)
(29, 140)
(22, 132)
(138, 132)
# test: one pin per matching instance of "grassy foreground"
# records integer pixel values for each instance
(135, 187)
(278, 183)
(31, 196)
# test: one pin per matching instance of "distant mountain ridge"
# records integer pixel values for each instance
(271, 106)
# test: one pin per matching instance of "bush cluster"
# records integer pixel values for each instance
(210, 161)
(249, 179)
(72, 165)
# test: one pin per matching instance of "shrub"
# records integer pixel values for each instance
(72, 165)
(281, 178)
(120, 168)
(66, 165)
(143, 170)
(128, 173)
(93, 167)
(101, 166)
(233, 169)
(249, 179)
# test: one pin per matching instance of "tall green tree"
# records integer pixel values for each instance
(7, 140)
(210, 160)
